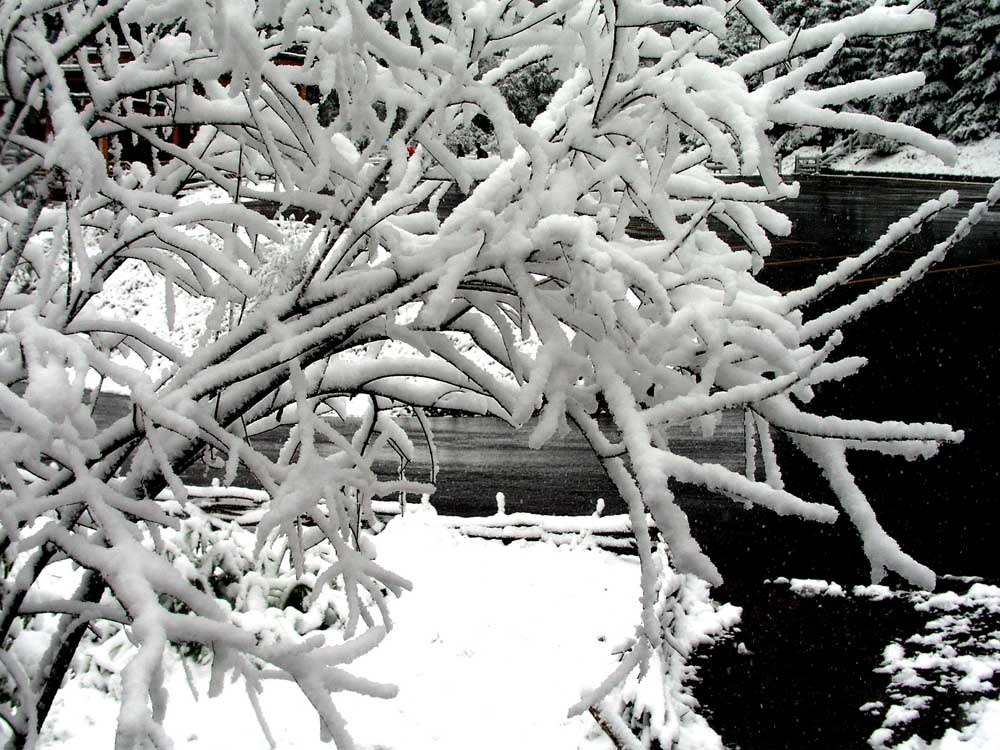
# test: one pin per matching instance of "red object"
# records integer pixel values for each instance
(411, 150)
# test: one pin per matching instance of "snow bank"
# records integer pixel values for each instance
(489, 649)
(975, 159)
(983, 733)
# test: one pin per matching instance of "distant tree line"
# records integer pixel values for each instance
(960, 57)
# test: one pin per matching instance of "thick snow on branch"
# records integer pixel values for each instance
(345, 243)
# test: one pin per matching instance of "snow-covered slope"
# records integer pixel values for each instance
(975, 159)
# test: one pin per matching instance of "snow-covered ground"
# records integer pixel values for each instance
(496, 641)
(975, 159)
(489, 650)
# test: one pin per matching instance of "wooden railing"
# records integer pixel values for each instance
(244, 507)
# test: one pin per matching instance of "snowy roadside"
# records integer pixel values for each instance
(976, 160)
(489, 650)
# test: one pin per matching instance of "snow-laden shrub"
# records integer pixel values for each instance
(259, 586)
(527, 299)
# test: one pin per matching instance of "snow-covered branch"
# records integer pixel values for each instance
(297, 173)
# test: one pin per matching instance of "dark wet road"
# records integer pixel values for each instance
(839, 216)
(480, 456)
(934, 355)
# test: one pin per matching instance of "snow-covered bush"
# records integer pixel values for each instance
(527, 299)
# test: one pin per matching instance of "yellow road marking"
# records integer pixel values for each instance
(782, 243)
(968, 267)
(792, 261)
(775, 243)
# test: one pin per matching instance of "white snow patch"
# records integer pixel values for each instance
(489, 650)
(975, 159)
(958, 652)
(811, 586)
(983, 732)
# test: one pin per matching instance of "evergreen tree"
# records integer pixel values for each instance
(938, 56)
(960, 58)
(974, 108)
(529, 91)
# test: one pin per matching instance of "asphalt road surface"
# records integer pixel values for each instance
(933, 356)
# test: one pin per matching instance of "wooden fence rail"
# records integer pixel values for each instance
(243, 506)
